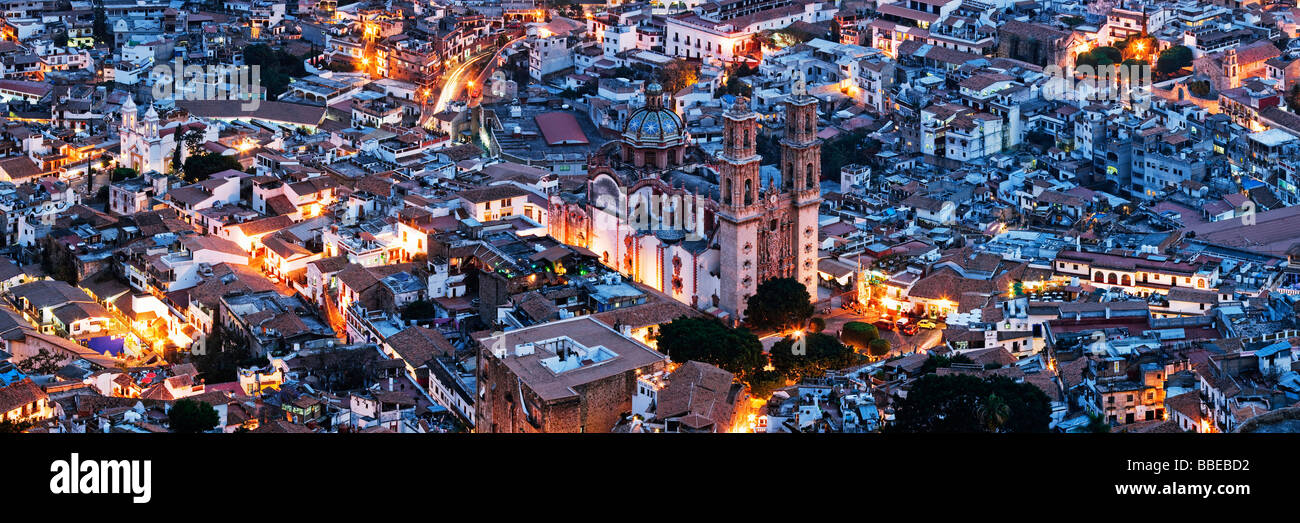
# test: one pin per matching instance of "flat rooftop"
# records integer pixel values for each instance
(599, 352)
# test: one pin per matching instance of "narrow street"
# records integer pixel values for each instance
(899, 343)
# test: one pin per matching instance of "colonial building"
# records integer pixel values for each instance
(147, 147)
(649, 213)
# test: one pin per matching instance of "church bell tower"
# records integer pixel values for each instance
(739, 215)
(801, 160)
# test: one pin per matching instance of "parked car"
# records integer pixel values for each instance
(926, 324)
(909, 329)
(884, 325)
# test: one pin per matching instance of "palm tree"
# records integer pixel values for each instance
(994, 413)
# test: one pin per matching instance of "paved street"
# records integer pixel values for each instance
(899, 344)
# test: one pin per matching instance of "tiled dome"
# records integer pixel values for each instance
(653, 125)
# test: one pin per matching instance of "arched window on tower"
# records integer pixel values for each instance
(787, 181)
(749, 192)
(809, 182)
(726, 193)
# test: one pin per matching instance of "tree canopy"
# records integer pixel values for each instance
(707, 340)
(937, 361)
(1174, 59)
(43, 362)
(1104, 55)
(858, 334)
(278, 68)
(190, 417)
(201, 167)
(879, 347)
(678, 75)
(854, 147)
(964, 403)
(779, 303)
(821, 352)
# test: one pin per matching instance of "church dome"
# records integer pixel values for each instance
(654, 125)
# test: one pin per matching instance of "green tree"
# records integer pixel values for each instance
(1199, 88)
(43, 362)
(859, 334)
(278, 68)
(123, 173)
(779, 303)
(816, 325)
(994, 413)
(707, 340)
(849, 148)
(224, 352)
(191, 417)
(878, 347)
(1173, 59)
(8, 426)
(193, 142)
(820, 352)
(961, 403)
(678, 75)
(938, 361)
(99, 27)
(203, 166)
(419, 310)
(735, 87)
(1097, 424)
(1107, 55)
(763, 382)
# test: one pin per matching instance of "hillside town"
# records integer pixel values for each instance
(740, 216)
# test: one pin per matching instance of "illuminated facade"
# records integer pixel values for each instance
(707, 250)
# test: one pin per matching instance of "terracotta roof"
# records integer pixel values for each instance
(212, 243)
(264, 225)
(417, 345)
(702, 395)
(492, 193)
(947, 284)
(20, 393)
(309, 115)
(647, 314)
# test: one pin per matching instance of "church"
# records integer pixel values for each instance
(715, 227)
(145, 147)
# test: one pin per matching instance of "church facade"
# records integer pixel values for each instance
(147, 147)
(707, 240)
